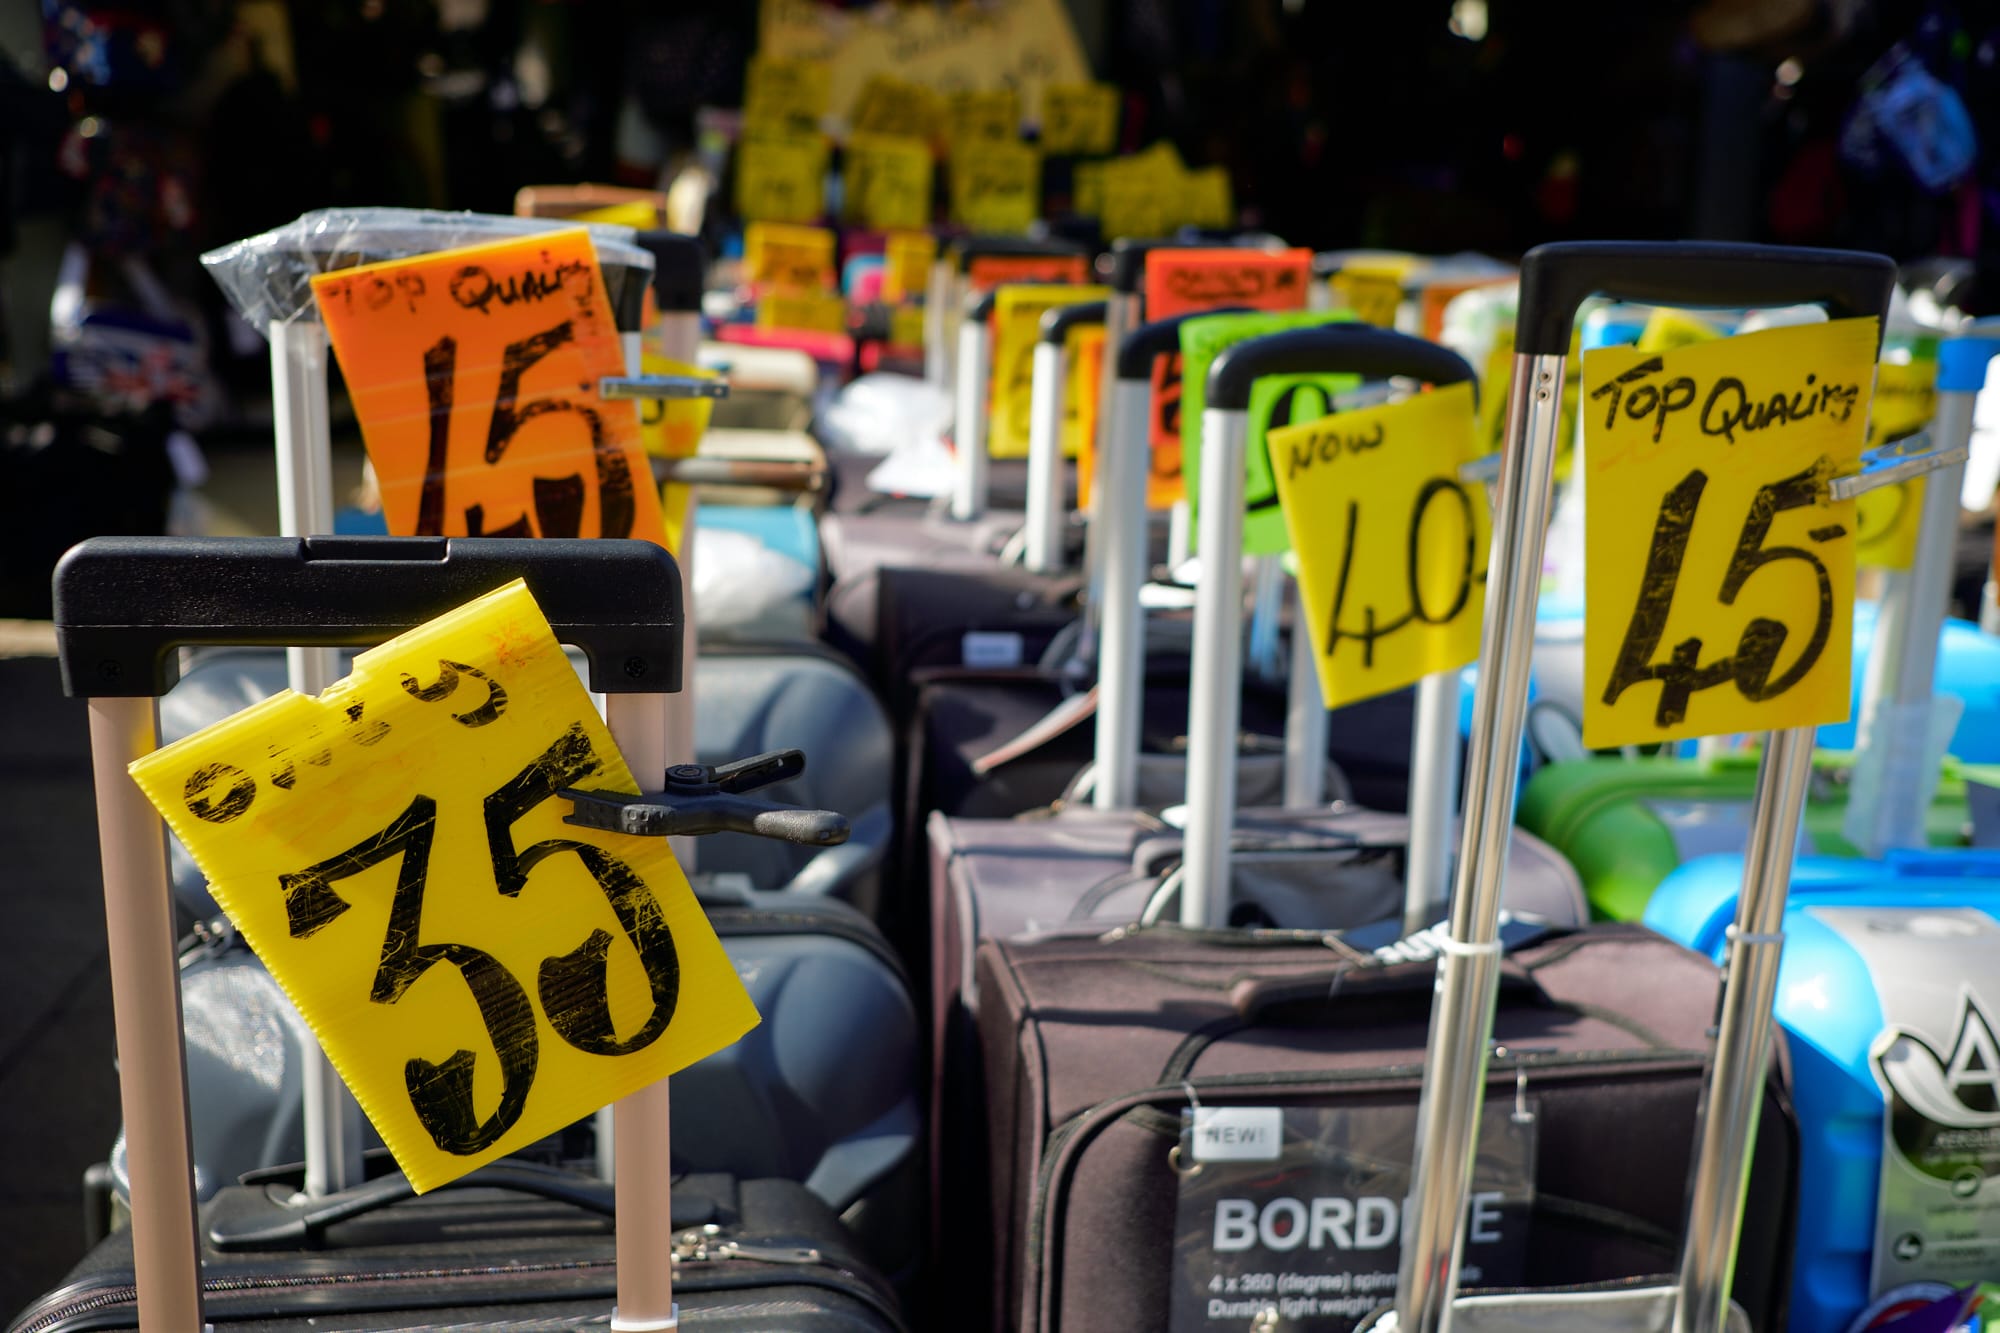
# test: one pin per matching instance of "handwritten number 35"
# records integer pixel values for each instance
(571, 986)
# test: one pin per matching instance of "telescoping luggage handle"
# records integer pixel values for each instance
(1554, 281)
(945, 298)
(1896, 705)
(1045, 520)
(1214, 690)
(122, 605)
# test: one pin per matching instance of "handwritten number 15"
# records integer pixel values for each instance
(1749, 667)
(558, 500)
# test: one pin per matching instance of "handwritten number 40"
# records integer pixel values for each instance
(572, 986)
(1749, 667)
(558, 500)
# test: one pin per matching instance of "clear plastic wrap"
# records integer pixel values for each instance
(268, 278)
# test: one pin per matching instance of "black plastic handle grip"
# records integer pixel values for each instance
(1058, 320)
(981, 309)
(1556, 278)
(1147, 342)
(982, 247)
(122, 604)
(678, 268)
(1276, 999)
(1330, 349)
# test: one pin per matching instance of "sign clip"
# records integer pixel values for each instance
(701, 798)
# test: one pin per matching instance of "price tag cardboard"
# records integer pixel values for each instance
(989, 271)
(1391, 545)
(1207, 198)
(906, 327)
(890, 106)
(1372, 290)
(1888, 520)
(972, 114)
(1087, 188)
(889, 181)
(1719, 592)
(790, 257)
(786, 94)
(481, 973)
(906, 274)
(996, 187)
(474, 374)
(638, 215)
(780, 177)
(1079, 118)
(672, 428)
(1274, 401)
(1180, 281)
(1083, 362)
(1017, 324)
(1165, 486)
(822, 312)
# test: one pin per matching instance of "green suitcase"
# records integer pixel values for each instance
(1625, 823)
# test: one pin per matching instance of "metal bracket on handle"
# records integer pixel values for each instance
(1485, 470)
(1897, 461)
(661, 386)
(702, 798)
(783, 474)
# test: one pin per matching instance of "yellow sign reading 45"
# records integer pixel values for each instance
(1391, 545)
(481, 973)
(1719, 585)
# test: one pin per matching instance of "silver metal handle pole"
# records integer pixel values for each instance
(968, 499)
(1120, 316)
(643, 1167)
(146, 1014)
(1433, 799)
(1121, 520)
(1305, 717)
(1734, 1096)
(1045, 519)
(938, 298)
(1216, 672)
(1180, 535)
(679, 336)
(304, 439)
(1468, 968)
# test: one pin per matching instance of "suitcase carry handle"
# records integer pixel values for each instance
(1142, 346)
(1556, 278)
(123, 603)
(1360, 349)
(1259, 1000)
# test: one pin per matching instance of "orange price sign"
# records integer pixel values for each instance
(986, 272)
(1179, 281)
(474, 373)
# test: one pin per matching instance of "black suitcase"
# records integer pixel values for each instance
(517, 1248)
(122, 606)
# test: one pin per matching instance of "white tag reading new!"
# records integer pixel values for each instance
(1238, 1133)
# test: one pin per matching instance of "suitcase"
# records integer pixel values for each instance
(121, 606)
(1886, 984)
(1094, 1046)
(1732, 1140)
(533, 1250)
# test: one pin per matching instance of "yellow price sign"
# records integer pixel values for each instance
(982, 113)
(1374, 295)
(672, 428)
(787, 94)
(1208, 199)
(890, 106)
(906, 326)
(1889, 518)
(780, 177)
(480, 972)
(638, 215)
(1087, 188)
(1079, 118)
(474, 374)
(1083, 373)
(1017, 327)
(1374, 491)
(996, 187)
(789, 257)
(1142, 196)
(824, 312)
(906, 268)
(888, 181)
(1719, 592)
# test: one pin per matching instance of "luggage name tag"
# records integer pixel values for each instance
(475, 374)
(1289, 1218)
(1391, 543)
(1720, 566)
(1887, 520)
(480, 971)
(1017, 327)
(1275, 401)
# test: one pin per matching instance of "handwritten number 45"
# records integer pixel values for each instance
(558, 500)
(1749, 668)
(572, 986)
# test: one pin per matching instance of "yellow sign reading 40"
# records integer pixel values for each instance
(1391, 545)
(480, 972)
(1719, 572)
